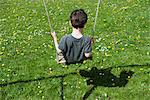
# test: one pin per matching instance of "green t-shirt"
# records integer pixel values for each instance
(73, 49)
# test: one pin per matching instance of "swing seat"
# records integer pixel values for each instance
(60, 58)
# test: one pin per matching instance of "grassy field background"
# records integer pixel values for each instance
(28, 67)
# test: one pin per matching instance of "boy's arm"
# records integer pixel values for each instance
(88, 49)
(53, 34)
(59, 56)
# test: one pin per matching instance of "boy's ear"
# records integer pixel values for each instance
(70, 23)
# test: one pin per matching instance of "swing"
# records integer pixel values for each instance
(59, 56)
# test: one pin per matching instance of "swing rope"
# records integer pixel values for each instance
(93, 31)
(48, 17)
(50, 25)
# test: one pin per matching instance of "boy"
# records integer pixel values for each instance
(75, 47)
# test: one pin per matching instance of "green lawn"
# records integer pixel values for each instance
(27, 57)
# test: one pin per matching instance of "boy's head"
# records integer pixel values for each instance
(78, 18)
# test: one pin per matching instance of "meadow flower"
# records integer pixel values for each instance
(3, 65)
(122, 49)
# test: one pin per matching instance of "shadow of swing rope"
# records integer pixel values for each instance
(96, 77)
(82, 73)
(61, 77)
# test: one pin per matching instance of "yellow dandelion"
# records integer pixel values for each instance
(122, 49)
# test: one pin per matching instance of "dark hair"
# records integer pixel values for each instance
(78, 18)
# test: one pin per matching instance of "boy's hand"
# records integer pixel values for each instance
(54, 36)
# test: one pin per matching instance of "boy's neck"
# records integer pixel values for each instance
(77, 33)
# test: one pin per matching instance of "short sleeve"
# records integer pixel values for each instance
(88, 45)
(62, 44)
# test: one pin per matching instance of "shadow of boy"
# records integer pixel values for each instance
(104, 77)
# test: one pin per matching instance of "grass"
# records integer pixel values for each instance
(28, 54)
